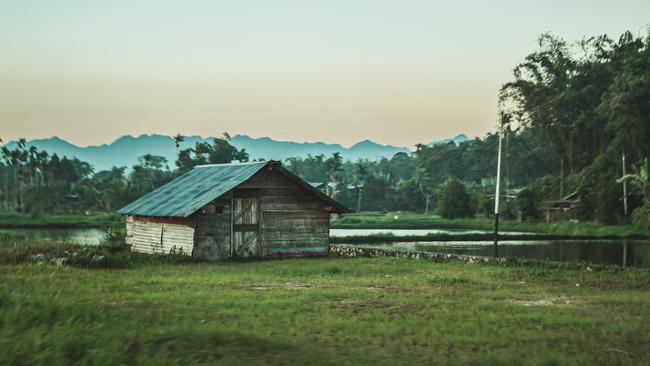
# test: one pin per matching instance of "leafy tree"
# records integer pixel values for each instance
(527, 203)
(219, 152)
(454, 201)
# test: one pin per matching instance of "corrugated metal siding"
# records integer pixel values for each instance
(153, 237)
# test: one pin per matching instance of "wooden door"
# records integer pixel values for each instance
(246, 223)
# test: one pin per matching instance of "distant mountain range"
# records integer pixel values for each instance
(125, 150)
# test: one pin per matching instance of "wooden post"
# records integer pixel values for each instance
(232, 223)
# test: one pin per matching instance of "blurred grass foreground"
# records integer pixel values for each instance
(66, 304)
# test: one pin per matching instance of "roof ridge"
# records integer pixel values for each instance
(230, 164)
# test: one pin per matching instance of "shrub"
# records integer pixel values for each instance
(485, 206)
(641, 216)
(527, 203)
(454, 201)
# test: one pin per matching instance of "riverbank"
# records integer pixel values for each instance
(561, 229)
(329, 311)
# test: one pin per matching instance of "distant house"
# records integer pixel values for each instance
(563, 208)
(321, 186)
(233, 210)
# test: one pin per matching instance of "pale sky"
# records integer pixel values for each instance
(396, 72)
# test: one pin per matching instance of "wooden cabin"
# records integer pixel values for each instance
(563, 209)
(233, 210)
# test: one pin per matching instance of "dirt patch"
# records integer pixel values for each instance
(374, 288)
(287, 285)
(551, 301)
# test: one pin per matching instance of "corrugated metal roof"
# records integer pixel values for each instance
(188, 193)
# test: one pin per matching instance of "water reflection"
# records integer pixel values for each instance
(86, 236)
(415, 232)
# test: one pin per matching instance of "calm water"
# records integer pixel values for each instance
(87, 236)
(632, 253)
(418, 232)
(93, 236)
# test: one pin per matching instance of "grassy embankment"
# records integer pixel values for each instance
(555, 230)
(390, 311)
(101, 219)
(541, 231)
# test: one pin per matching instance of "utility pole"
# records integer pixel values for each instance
(498, 190)
(624, 187)
(561, 179)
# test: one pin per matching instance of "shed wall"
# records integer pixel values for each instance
(212, 233)
(153, 236)
(294, 222)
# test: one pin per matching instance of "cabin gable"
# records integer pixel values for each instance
(270, 212)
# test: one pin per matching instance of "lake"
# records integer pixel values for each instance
(415, 232)
(93, 236)
(629, 252)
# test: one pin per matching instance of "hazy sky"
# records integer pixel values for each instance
(398, 72)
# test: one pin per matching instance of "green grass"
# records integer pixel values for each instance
(331, 311)
(8, 220)
(422, 221)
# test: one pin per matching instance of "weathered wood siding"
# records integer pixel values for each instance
(212, 233)
(293, 221)
(152, 236)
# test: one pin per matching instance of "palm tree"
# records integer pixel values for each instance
(425, 184)
(640, 177)
(362, 174)
(332, 168)
(177, 141)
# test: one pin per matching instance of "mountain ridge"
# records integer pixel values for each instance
(125, 150)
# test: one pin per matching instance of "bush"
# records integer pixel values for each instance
(641, 216)
(454, 201)
(485, 206)
(527, 203)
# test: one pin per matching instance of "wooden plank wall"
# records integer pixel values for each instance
(212, 233)
(294, 222)
(158, 237)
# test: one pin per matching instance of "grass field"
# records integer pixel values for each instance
(394, 220)
(330, 311)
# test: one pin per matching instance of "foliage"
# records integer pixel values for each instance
(35, 183)
(401, 220)
(528, 204)
(589, 102)
(454, 201)
(219, 152)
(641, 216)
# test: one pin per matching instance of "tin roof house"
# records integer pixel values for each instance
(233, 210)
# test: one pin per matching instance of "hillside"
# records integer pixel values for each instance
(125, 150)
